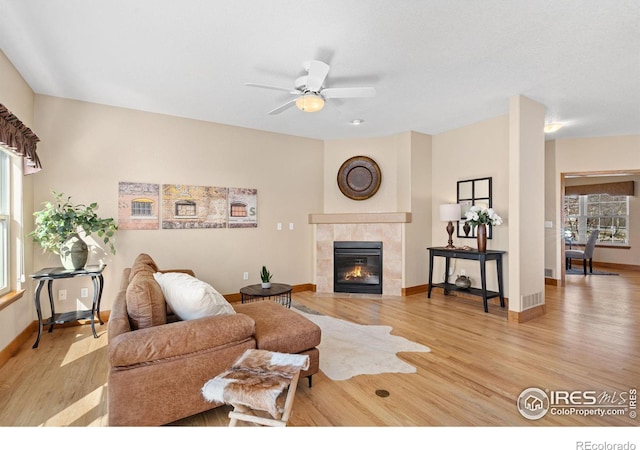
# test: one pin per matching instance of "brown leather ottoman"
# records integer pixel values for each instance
(279, 329)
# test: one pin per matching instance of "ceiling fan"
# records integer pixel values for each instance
(310, 91)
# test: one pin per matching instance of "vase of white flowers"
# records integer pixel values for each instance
(480, 217)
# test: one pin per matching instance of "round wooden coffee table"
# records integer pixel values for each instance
(278, 292)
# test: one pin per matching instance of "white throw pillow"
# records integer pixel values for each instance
(190, 298)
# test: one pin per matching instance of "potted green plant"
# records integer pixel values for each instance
(265, 276)
(57, 226)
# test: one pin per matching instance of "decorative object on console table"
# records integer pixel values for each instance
(482, 237)
(449, 213)
(466, 228)
(481, 217)
(58, 225)
(265, 276)
(463, 282)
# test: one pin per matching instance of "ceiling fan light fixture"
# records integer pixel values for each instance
(310, 102)
(310, 90)
(552, 127)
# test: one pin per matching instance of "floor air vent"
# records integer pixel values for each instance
(531, 300)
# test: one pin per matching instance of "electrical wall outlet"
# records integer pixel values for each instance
(245, 276)
(291, 225)
(62, 294)
(84, 292)
(279, 226)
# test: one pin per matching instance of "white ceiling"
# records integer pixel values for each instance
(436, 65)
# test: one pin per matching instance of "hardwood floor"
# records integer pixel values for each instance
(479, 364)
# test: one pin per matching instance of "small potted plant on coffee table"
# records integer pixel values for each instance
(265, 276)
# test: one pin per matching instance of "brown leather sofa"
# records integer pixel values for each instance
(159, 364)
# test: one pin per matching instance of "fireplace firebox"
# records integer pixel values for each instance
(357, 267)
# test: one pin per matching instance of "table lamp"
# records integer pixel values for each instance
(450, 212)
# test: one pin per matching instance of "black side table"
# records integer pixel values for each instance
(57, 273)
(280, 293)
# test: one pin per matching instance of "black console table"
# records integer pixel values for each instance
(57, 273)
(482, 257)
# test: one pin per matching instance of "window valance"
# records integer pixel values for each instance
(18, 138)
(619, 188)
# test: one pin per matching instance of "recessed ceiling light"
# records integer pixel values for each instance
(552, 127)
(357, 122)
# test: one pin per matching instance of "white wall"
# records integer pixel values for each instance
(526, 202)
(418, 232)
(384, 151)
(18, 97)
(475, 151)
(551, 205)
(405, 163)
(88, 148)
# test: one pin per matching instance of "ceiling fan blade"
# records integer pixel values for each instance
(281, 108)
(275, 88)
(318, 71)
(354, 92)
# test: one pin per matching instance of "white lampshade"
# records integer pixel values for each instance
(310, 102)
(450, 212)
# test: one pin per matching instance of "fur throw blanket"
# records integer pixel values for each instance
(256, 380)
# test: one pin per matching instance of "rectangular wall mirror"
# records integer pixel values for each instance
(473, 192)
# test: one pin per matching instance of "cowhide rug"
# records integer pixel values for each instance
(348, 349)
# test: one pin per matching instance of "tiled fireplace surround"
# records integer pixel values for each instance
(384, 227)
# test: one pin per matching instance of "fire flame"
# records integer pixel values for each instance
(357, 272)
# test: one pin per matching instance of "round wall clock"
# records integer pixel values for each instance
(359, 178)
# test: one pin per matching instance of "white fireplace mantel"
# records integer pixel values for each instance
(340, 218)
